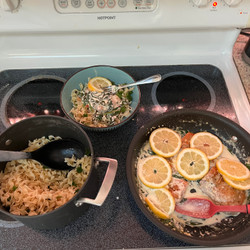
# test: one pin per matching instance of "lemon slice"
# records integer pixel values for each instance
(241, 185)
(154, 171)
(208, 143)
(98, 83)
(165, 142)
(161, 202)
(192, 163)
(232, 169)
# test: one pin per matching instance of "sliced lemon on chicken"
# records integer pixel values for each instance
(165, 142)
(241, 185)
(208, 143)
(161, 202)
(98, 83)
(232, 169)
(154, 171)
(192, 163)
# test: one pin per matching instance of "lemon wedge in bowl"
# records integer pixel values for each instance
(98, 83)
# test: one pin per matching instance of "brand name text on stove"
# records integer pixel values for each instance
(106, 17)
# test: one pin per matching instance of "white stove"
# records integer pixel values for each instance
(80, 33)
(188, 38)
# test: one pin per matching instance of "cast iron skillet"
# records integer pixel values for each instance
(232, 135)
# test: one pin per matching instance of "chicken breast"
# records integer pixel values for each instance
(219, 191)
(177, 188)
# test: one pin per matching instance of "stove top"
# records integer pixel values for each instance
(118, 223)
(27, 93)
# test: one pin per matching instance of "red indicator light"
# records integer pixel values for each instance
(215, 4)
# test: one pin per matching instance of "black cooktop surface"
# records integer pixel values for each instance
(118, 223)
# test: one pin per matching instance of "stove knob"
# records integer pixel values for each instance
(10, 5)
(232, 2)
(200, 3)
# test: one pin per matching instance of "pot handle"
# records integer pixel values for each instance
(106, 184)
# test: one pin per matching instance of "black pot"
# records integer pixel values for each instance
(231, 134)
(16, 138)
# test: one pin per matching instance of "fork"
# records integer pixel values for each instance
(151, 79)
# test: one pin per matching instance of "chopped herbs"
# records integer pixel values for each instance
(123, 109)
(119, 94)
(129, 96)
(79, 169)
(100, 109)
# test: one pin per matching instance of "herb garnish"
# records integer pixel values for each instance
(79, 169)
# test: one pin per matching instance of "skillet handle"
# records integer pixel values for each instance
(106, 184)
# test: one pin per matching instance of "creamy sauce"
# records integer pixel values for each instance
(193, 190)
(226, 154)
(100, 109)
(103, 102)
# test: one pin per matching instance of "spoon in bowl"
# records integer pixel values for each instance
(51, 155)
(204, 208)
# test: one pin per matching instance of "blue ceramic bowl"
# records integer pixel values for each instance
(114, 75)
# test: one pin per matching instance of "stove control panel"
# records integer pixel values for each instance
(167, 16)
(232, 2)
(200, 3)
(205, 3)
(102, 6)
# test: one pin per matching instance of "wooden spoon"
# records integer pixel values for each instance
(204, 208)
